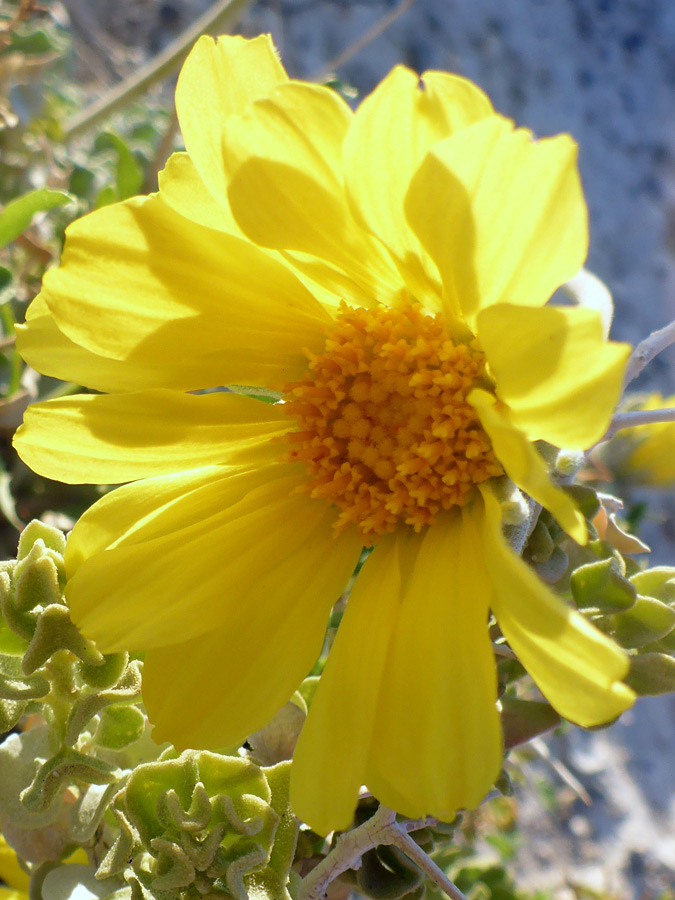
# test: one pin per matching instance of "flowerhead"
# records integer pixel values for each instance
(646, 452)
(387, 272)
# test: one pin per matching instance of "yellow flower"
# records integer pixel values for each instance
(651, 448)
(387, 271)
(14, 881)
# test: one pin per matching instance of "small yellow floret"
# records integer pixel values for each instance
(384, 426)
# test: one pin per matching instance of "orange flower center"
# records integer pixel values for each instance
(384, 426)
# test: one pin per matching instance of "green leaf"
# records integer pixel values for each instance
(523, 720)
(586, 498)
(82, 182)
(36, 530)
(540, 544)
(5, 278)
(128, 170)
(658, 582)
(651, 673)
(10, 643)
(17, 215)
(119, 726)
(34, 42)
(649, 620)
(106, 196)
(600, 585)
(58, 772)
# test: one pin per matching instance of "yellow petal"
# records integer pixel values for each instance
(182, 188)
(329, 763)
(286, 189)
(221, 78)
(140, 282)
(111, 438)
(654, 457)
(648, 449)
(554, 368)
(44, 347)
(215, 690)
(245, 534)
(502, 216)
(437, 737)
(392, 130)
(137, 512)
(524, 465)
(11, 872)
(576, 667)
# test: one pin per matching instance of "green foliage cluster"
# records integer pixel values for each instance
(635, 607)
(48, 178)
(163, 825)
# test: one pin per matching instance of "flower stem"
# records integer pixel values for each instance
(218, 17)
(415, 853)
(347, 853)
(363, 41)
(638, 417)
(381, 829)
(646, 350)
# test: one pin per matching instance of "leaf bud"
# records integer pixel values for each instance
(651, 673)
(523, 720)
(602, 586)
(203, 824)
(386, 874)
(648, 620)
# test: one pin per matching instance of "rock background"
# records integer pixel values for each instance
(603, 70)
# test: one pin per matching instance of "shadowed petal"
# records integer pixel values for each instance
(405, 115)
(286, 189)
(215, 690)
(437, 737)
(140, 282)
(221, 78)
(111, 438)
(575, 666)
(502, 216)
(245, 537)
(337, 734)
(525, 466)
(554, 368)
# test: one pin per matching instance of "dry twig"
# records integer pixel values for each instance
(381, 829)
(646, 350)
(357, 46)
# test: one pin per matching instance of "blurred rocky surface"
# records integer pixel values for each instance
(622, 844)
(604, 71)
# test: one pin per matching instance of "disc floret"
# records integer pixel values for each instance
(384, 425)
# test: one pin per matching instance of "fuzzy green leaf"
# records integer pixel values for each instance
(651, 673)
(601, 585)
(648, 620)
(17, 215)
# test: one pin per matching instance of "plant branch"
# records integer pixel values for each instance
(221, 14)
(347, 853)
(381, 829)
(404, 842)
(646, 350)
(357, 46)
(638, 417)
(519, 534)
